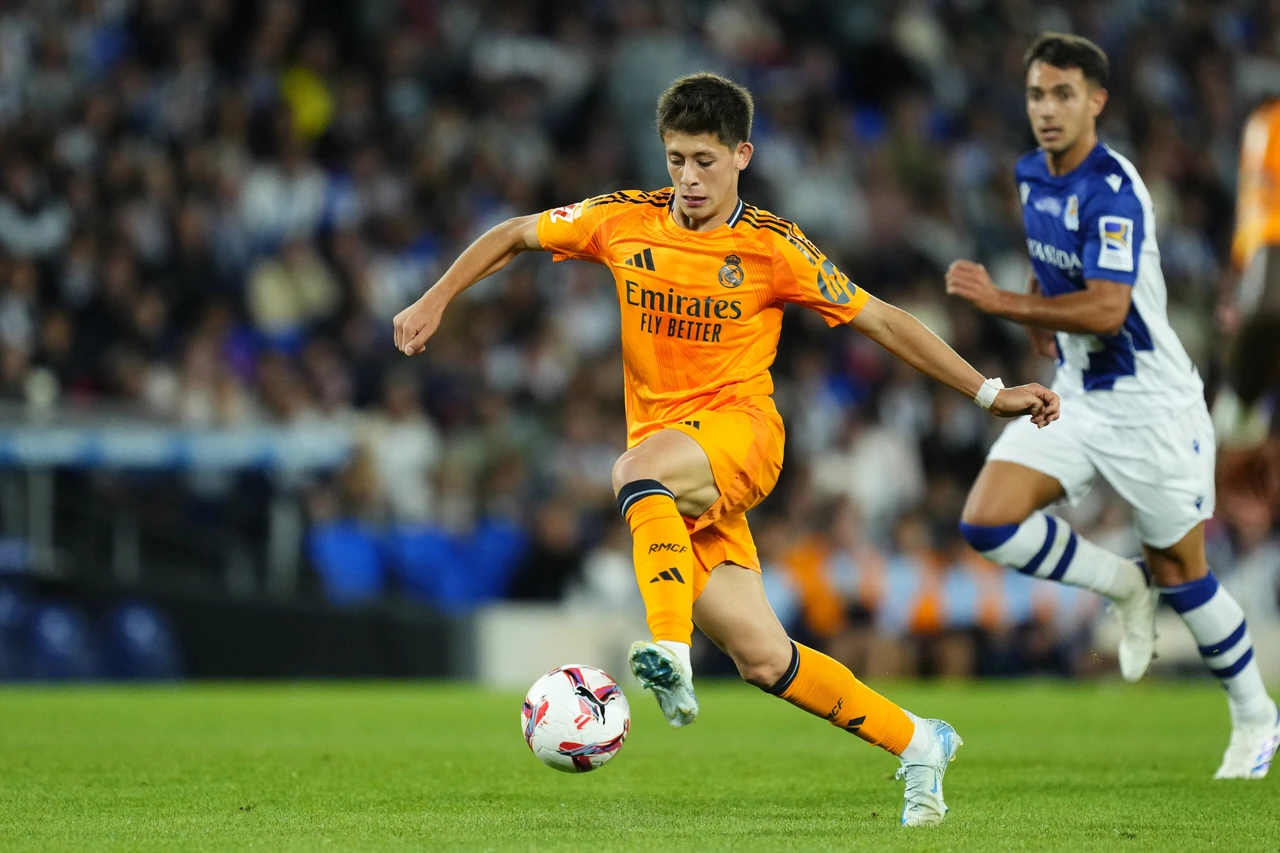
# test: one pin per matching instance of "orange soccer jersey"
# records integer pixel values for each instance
(1258, 207)
(701, 311)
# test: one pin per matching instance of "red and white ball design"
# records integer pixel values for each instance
(575, 718)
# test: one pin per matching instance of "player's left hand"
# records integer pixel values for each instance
(415, 324)
(971, 282)
(1035, 400)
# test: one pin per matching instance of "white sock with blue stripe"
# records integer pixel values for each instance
(1217, 623)
(1046, 547)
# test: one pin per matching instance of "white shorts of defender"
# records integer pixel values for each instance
(1163, 470)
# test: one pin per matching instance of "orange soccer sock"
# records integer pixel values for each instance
(663, 558)
(826, 688)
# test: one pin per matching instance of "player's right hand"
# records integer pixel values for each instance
(415, 324)
(971, 282)
(1035, 400)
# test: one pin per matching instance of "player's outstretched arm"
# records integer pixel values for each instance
(1043, 341)
(496, 248)
(1099, 309)
(907, 338)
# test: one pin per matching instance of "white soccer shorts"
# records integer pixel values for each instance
(1163, 470)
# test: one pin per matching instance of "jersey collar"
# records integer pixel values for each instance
(731, 221)
(1074, 173)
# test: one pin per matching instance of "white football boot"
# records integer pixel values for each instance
(924, 805)
(1249, 751)
(658, 669)
(1137, 615)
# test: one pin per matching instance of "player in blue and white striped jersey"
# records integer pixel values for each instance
(1133, 409)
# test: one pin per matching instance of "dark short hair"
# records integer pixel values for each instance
(1063, 50)
(706, 103)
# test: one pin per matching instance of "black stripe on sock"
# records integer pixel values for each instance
(785, 681)
(633, 491)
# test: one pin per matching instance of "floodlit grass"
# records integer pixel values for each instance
(1045, 766)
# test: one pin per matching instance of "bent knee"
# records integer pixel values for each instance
(1167, 570)
(764, 670)
(983, 515)
(988, 507)
(631, 466)
(694, 490)
(1008, 493)
(984, 538)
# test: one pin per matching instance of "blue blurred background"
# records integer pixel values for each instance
(214, 462)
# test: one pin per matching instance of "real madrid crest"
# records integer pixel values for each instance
(732, 274)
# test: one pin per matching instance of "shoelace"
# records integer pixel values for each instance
(918, 784)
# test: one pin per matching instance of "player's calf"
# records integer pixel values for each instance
(1217, 623)
(735, 614)
(1046, 547)
(761, 661)
(825, 688)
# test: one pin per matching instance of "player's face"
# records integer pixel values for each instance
(1062, 105)
(704, 172)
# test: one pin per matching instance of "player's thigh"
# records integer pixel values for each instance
(678, 462)
(1182, 562)
(735, 614)
(1029, 468)
(744, 443)
(1165, 472)
(1007, 492)
(738, 464)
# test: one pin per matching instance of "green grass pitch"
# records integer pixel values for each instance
(1045, 766)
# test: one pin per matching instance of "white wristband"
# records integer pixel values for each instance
(987, 393)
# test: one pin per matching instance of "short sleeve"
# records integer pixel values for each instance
(1114, 227)
(572, 231)
(805, 276)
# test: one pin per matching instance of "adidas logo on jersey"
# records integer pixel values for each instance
(671, 574)
(643, 260)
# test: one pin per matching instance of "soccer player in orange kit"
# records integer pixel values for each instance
(702, 278)
(1249, 461)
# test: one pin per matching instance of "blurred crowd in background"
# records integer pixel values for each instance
(211, 210)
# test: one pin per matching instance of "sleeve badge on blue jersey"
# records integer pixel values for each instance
(1116, 252)
(1024, 190)
(1071, 216)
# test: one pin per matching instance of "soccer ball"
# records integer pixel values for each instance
(575, 718)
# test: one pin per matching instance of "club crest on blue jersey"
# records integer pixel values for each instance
(1071, 216)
